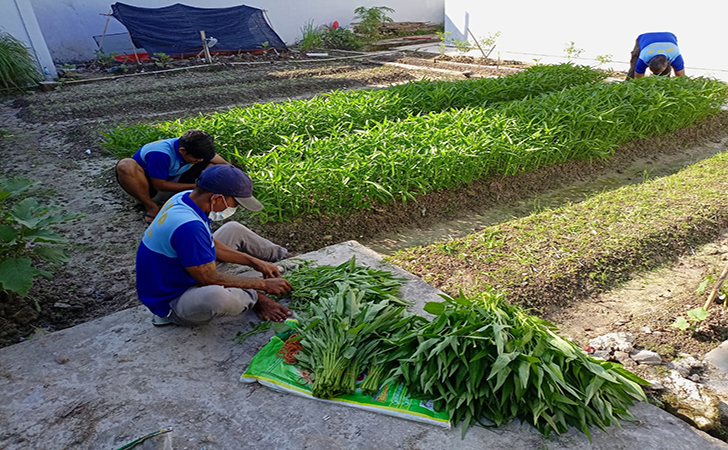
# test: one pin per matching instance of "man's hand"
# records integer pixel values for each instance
(267, 269)
(277, 286)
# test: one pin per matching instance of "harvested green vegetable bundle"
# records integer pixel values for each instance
(341, 333)
(313, 283)
(481, 357)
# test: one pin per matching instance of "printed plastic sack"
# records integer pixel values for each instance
(269, 369)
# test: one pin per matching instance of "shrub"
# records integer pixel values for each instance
(17, 67)
(25, 237)
(340, 38)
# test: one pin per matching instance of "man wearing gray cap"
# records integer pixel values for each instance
(178, 259)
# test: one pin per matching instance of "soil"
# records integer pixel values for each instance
(54, 138)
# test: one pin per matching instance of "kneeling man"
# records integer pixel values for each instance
(178, 259)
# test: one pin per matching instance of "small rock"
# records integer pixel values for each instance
(613, 341)
(61, 359)
(61, 305)
(694, 378)
(621, 356)
(25, 315)
(646, 357)
(604, 354)
(656, 386)
(646, 330)
(685, 365)
(328, 237)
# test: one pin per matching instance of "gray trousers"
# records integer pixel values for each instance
(200, 304)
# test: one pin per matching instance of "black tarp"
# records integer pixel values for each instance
(175, 29)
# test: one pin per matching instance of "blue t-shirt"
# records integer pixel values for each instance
(179, 237)
(653, 44)
(161, 159)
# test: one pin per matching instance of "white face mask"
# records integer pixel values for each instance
(224, 214)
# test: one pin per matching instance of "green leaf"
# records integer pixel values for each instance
(502, 361)
(8, 233)
(523, 373)
(681, 324)
(434, 308)
(52, 254)
(16, 185)
(702, 286)
(26, 212)
(40, 235)
(350, 352)
(698, 314)
(16, 275)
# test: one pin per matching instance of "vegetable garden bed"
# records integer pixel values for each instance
(337, 168)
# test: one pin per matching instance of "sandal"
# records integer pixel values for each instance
(148, 218)
(161, 321)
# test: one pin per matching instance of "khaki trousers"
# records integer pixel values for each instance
(200, 304)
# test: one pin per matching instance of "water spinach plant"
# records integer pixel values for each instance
(481, 357)
(242, 132)
(341, 333)
(396, 161)
(311, 283)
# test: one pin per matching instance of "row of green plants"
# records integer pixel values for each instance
(479, 359)
(396, 161)
(581, 248)
(254, 130)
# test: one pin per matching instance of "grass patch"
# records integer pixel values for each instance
(569, 252)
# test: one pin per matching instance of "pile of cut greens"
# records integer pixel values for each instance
(479, 358)
(313, 283)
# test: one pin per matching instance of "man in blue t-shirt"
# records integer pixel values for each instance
(164, 167)
(178, 259)
(659, 52)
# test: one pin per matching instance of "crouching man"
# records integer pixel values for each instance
(178, 259)
(162, 168)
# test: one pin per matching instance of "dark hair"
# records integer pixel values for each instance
(658, 64)
(199, 144)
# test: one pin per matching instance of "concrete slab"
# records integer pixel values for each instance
(104, 383)
(719, 357)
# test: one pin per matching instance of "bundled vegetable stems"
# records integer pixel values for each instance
(311, 283)
(481, 357)
(478, 358)
(340, 333)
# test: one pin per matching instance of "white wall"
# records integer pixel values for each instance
(541, 29)
(18, 19)
(69, 25)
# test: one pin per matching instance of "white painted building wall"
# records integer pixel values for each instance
(18, 18)
(542, 29)
(69, 25)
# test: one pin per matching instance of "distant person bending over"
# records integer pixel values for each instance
(659, 52)
(162, 168)
(178, 259)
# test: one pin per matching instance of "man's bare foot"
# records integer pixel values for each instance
(269, 309)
